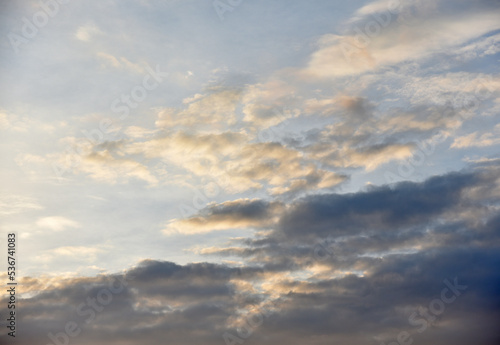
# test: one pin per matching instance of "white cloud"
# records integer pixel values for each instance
(360, 52)
(215, 110)
(85, 33)
(79, 253)
(56, 223)
(13, 204)
(476, 140)
(122, 63)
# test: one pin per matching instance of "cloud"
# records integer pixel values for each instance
(360, 139)
(72, 250)
(103, 161)
(384, 34)
(289, 134)
(377, 209)
(203, 300)
(457, 89)
(243, 213)
(122, 63)
(479, 49)
(237, 164)
(85, 33)
(378, 255)
(320, 264)
(138, 132)
(14, 204)
(23, 124)
(376, 155)
(476, 139)
(103, 166)
(70, 253)
(214, 108)
(269, 104)
(56, 223)
(359, 227)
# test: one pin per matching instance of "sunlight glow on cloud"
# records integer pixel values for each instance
(56, 223)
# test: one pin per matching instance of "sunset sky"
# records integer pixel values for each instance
(251, 172)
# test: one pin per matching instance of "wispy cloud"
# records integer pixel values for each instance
(56, 223)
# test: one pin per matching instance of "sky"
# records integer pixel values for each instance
(251, 172)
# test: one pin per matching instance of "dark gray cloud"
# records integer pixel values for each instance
(393, 251)
(246, 209)
(383, 208)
